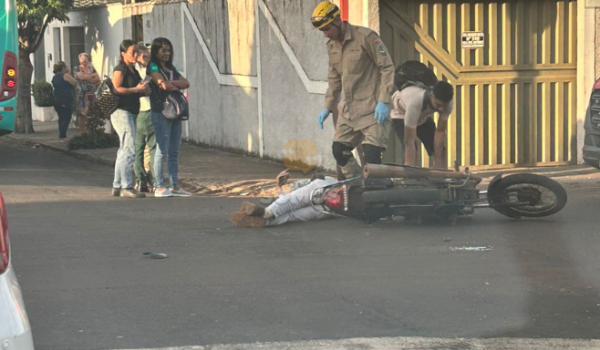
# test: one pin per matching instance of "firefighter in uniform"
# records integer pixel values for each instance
(361, 82)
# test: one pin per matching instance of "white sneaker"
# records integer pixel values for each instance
(162, 192)
(180, 192)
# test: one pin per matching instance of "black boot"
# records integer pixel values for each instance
(141, 186)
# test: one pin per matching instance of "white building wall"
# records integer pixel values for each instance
(254, 85)
(257, 82)
(103, 34)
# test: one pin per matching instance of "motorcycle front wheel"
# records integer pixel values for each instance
(528, 195)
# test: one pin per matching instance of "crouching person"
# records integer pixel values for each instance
(291, 207)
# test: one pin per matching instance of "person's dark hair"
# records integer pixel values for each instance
(156, 45)
(443, 91)
(59, 66)
(125, 44)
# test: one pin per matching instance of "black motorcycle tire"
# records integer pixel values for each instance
(500, 191)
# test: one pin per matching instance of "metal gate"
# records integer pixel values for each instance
(515, 98)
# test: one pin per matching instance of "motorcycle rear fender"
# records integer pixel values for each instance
(495, 180)
(491, 189)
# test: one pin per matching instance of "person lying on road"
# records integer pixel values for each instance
(289, 207)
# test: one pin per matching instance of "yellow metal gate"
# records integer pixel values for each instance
(515, 98)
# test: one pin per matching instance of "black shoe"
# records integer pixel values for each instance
(116, 191)
(142, 186)
(131, 193)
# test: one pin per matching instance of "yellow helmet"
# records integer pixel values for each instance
(324, 14)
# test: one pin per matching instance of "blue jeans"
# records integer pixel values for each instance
(64, 118)
(124, 124)
(168, 140)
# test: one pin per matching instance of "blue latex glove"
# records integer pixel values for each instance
(381, 112)
(324, 114)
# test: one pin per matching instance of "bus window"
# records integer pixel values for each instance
(9, 64)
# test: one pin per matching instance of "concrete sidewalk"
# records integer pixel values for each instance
(201, 170)
(208, 171)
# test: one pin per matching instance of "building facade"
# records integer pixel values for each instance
(523, 69)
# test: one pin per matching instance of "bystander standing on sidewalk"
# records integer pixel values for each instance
(127, 82)
(165, 78)
(87, 82)
(63, 83)
(145, 141)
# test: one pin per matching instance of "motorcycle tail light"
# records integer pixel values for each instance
(334, 198)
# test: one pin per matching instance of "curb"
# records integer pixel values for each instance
(486, 175)
(82, 156)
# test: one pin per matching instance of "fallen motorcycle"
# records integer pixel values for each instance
(412, 192)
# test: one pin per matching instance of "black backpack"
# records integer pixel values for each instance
(414, 73)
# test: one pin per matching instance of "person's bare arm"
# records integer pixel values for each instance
(69, 79)
(81, 75)
(182, 83)
(411, 118)
(117, 81)
(410, 149)
(281, 180)
(94, 78)
(438, 144)
(159, 80)
(91, 77)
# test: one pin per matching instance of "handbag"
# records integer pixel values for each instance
(106, 101)
(175, 105)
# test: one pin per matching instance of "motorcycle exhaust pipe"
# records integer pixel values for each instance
(406, 172)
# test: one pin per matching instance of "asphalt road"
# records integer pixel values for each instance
(79, 256)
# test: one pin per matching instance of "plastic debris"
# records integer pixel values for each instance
(155, 255)
(472, 249)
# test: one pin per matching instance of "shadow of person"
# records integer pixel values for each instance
(560, 302)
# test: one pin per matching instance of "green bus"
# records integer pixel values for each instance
(9, 63)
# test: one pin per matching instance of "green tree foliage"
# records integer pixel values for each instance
(34, 17)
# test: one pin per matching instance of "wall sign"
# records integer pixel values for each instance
(472, 40)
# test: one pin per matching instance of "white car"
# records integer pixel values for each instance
(15, 331)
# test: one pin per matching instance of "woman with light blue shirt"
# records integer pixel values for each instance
(165, 79)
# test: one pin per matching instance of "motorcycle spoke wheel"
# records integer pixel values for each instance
(530, 198)
(527, 195)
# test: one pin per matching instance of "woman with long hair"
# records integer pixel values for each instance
(128, 83)
(165, 79)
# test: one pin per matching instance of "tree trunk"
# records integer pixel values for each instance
(24, 122)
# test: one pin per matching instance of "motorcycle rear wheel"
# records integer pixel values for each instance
(533, 196)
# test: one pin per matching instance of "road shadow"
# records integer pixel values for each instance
(560, 302)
